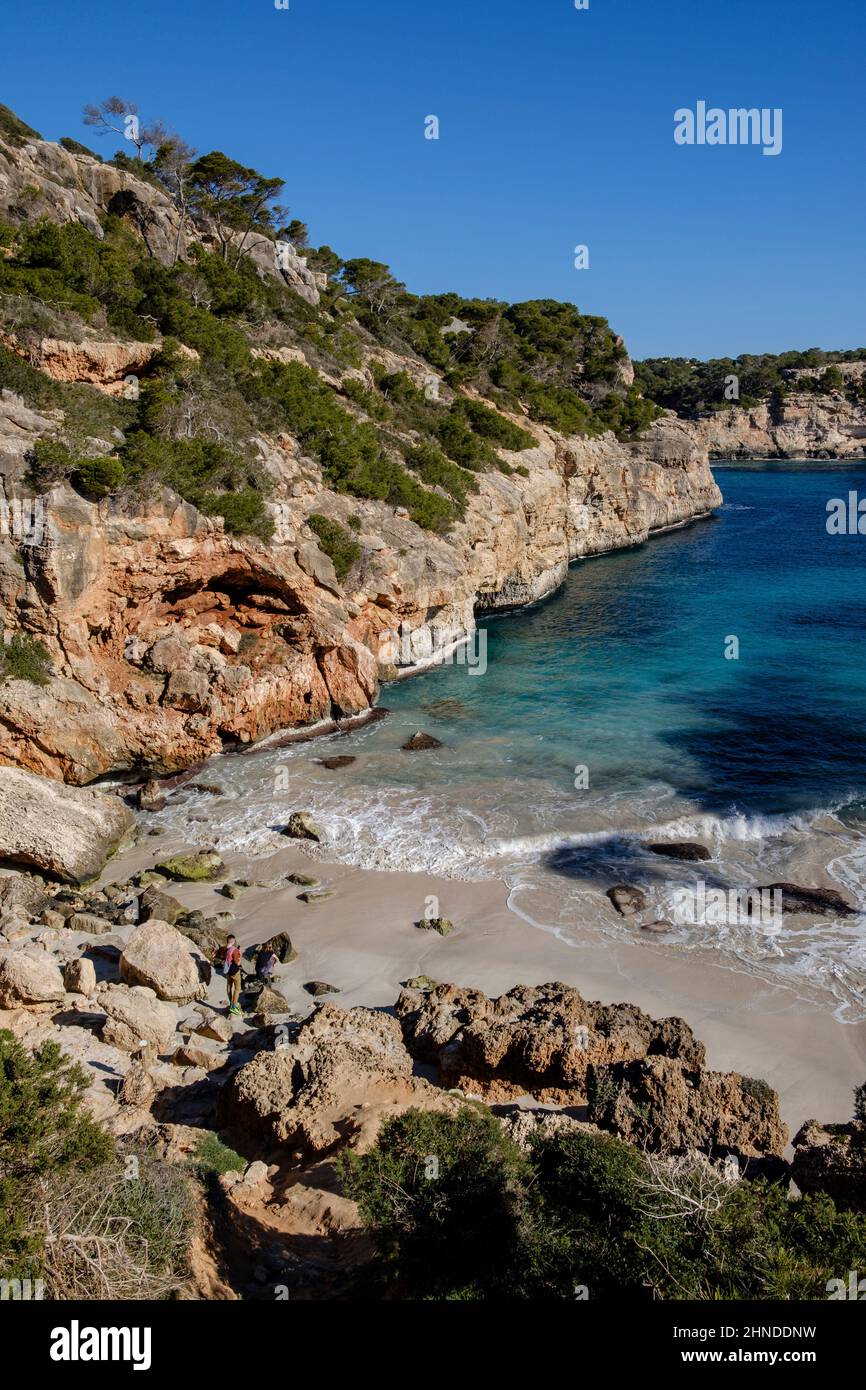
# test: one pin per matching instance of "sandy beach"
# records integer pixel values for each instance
(363, 940)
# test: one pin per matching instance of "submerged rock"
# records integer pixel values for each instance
(817, 900)
(319, 987)
(151, 797)
(420, 740)
(626, 899)
(689, 850)
(332, 764)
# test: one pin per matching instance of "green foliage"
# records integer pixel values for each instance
(582, 1209)
(98, 476)
(49, 461)
(434, 469)
(214, 1157)
(369, 401)
(76, 147)
(25, 658)
(452, 1235)
(292, 397)
(692, 388)
(343, 552)
(212, 477)
(493, 426)
(15, 131)
(860, 1104)
(43, 1130)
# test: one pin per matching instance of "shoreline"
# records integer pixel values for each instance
(363, 940)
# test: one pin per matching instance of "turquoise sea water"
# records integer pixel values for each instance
(609, 714)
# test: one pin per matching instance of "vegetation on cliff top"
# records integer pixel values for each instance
(693, 388)
(393, 442)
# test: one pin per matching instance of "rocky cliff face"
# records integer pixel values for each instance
(170, 638)
(804, 425)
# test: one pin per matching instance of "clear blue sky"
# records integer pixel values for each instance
(556, 129)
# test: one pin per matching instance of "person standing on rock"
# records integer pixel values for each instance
(232, 972)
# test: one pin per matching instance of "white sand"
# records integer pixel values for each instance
(364, 941)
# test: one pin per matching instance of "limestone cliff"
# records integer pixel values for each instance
(170, 638)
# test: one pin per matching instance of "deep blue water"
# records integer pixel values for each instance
(624, 670)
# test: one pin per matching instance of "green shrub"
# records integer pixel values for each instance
(96, 477)
(343, 552)
(442, 1197)
(214, 478)
(76, 147)
(493, 426)
(43, 1130)
(434, 469)
(212, 1156)
(25, 658)
(456, 1211)
(15, 131)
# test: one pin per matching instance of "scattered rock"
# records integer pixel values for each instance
(421, 982)
(832, 1159)
(346, 1069)
(230, 890)
(318, 987)
(151, 796)
(301, 826)
(282, 947)
(341, 760)
(79, 976)
(270, 1004)
(535, 1041)
(159, 956)
(29, 980)
(215, 1026)
(197, 1055)
(420, 740)
(656, 1104)
(626, 899)
(154, 903)
(135, 1016)
(437, 924)
(204, 866)
(137, 1088)
(310, 897)
(303, 880)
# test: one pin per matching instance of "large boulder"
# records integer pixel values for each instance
(538, 1041)
(29, 979)
(159, 956)
(67, 832)
(345, 1068)
(135, 1016)
(660, 1105)
(832, 1159)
